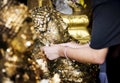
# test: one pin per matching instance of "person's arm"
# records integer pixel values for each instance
(80, 53)
(84, 54)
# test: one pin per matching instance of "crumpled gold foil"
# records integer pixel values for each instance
(22, 36)
(17, 37)
(52, 27)
(77, 27)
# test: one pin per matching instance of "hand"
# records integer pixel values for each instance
(51, 52)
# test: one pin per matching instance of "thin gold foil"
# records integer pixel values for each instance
(78, 27)
(53, 27)
(22, 36)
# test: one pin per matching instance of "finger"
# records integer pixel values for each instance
(52, 56)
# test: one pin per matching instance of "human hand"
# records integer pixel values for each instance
(51, 52)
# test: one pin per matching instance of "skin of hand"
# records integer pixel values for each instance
(83, 53)
(51, 52)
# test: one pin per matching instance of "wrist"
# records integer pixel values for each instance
(65, 53)
(62, 50)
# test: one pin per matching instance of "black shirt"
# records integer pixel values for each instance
(106, 23)
(106, 33)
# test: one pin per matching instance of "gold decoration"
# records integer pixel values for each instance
(17, 37)
(22, 61)
(78, 27)
(38, 3)
(51, 28)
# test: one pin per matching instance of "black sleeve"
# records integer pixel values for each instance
(106, 25)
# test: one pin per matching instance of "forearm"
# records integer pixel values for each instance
(85, 54)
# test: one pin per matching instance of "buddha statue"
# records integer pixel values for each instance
(24, 29)
(54, 27)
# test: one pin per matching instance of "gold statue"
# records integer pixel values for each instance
(53, 27)
(22, 36)
(17, 38)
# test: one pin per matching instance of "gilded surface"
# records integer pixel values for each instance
(21, 60)
(16, 39)
(53, 27)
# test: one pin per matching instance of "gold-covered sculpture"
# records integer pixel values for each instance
(77, 22)
(17, 37)
(21, 60)
(77, 27)
(51, 28)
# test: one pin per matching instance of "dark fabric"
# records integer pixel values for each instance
(99, 2)
(113, 64)
(106, 25)
(106, 33)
